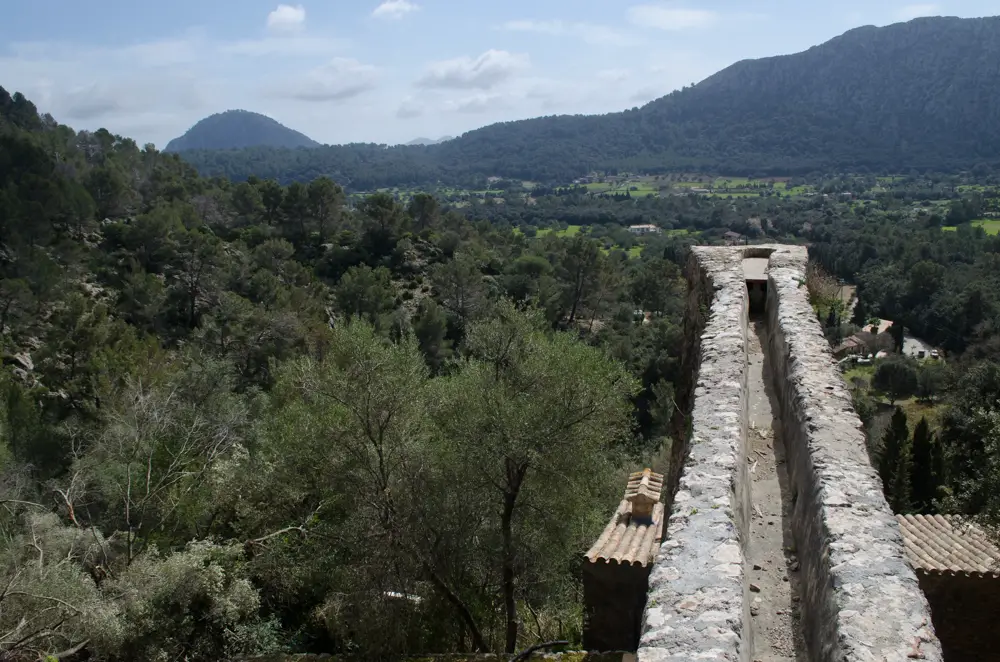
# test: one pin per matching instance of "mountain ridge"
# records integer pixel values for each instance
(426, 142)
(239, 129)
(918, 95)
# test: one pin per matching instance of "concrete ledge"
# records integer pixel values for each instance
(696, 606)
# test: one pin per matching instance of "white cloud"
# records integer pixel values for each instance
(665, 16)
(395, 9)
(591, 33)
(484, 72)
(477, 103)
(338, 80)
(910, 12)
(409, 108)
(286, 18)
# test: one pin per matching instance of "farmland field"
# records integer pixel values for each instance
(570, 231)
(734, 194)
(641, 187)
(990, 225)
(732, 182)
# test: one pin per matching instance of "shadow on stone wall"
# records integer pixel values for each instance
(572, 656)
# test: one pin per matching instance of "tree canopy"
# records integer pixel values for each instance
(238, 418)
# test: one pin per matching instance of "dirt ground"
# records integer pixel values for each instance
(773, 566)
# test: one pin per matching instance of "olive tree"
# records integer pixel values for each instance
(532, 420)
(330, 486)
(897, 378)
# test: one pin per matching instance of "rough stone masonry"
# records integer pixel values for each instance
(860, 600)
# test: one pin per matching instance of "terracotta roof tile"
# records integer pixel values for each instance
(948, 545)
(632, 540)
(644, 486)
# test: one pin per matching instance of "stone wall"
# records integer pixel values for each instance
(860, 601)
(571, 656)
(696, 605)
(966, 611)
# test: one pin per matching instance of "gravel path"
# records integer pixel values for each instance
(773, 566)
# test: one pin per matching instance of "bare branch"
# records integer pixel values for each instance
(301, 528)
(24, 503)
(47, 597)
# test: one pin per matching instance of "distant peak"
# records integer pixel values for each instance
(238, 129)
(429, 141)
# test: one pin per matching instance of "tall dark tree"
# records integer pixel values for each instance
(326, 200)
(579, 271)
(271, 195)
(247, 202)
(424, 210)
(295, 213)
(430, 326)
(898, 335)
(924, 478)
(895, 461)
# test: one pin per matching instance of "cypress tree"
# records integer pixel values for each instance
(924, 480)
(894, 462)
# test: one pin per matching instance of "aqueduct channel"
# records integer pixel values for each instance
(779, 544)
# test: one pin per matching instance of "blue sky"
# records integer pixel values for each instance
(390, 71)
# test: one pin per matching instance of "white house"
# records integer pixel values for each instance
(644, 229)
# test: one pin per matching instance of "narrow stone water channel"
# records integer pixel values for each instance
(773, 567)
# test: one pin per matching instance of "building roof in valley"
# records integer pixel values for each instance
(883, 326)
(635, 531)
(853, 343)
(948, 545)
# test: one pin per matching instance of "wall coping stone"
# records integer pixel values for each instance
(696, 598)
(697, 606)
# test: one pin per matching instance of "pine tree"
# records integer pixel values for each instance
(924, 479)
(894, 462)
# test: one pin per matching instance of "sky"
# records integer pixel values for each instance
(394, 70)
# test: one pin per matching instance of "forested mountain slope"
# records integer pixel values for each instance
(238, 129)
(922, 94)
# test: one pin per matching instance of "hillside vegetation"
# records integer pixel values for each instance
(237, 419)
(239, 129)
(916, 95)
